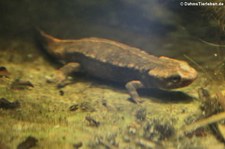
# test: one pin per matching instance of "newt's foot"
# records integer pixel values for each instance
(64, 83)
(132, 87)
(62, 75)
(59, 79)
(136, 101)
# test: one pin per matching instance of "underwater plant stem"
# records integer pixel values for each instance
(201, 123)
(211, 44)
(221, 99)
(199, 66)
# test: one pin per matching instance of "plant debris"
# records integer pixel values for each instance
(214, 105)
(220, 131)
(157, 130)
(201, 123)
(219, 128)
(212, 108)
(87, 107)
(140, 114)
(21, 85)
(74, 107)
(28, 143)
(221, 99)
(83, 106)
(209, 105)
(92, 121)
(106, 142)
(149, 134)
(148, 144)
(5, 104)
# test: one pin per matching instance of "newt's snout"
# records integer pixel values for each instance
(173, 74)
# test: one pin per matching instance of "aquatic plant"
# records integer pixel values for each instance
(217, 13)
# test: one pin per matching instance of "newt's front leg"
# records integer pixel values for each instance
(132, 87)
(65, 71)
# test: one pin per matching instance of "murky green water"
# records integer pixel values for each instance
(97, 114)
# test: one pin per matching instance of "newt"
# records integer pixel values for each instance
(118, 62)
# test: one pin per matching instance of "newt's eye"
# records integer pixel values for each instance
(175, 79)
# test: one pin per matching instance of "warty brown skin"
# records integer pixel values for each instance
(114, 61)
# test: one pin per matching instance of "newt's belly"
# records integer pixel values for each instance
(109, 71)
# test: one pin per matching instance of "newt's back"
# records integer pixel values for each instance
(102, 50)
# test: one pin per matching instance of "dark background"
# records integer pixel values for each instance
(77, 18)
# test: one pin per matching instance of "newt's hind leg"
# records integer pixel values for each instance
(132, 87)
(63, 73)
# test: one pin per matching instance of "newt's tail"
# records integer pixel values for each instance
(45, 38)
(47, 43)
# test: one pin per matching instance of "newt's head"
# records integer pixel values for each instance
(173, 74)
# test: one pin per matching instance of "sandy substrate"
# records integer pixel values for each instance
(94, 114)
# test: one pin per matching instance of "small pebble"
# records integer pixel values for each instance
(4, 72)
(21, 84)
(77, 145)
(61, 92)
(5, 104)
(132, 130)
(28, 143)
